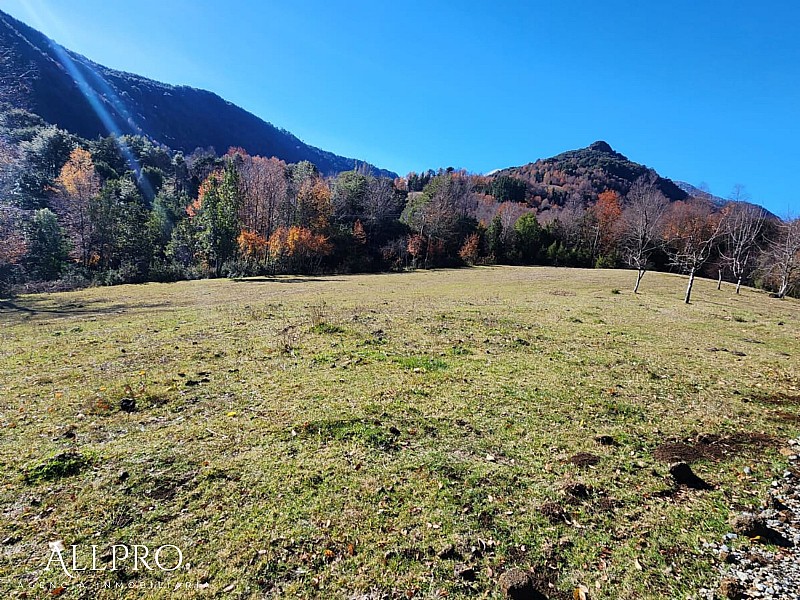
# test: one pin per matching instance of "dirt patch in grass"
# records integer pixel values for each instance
(579, 492)
(779, 399)
(553, 512)
(784, 416)
(679, 451)
(584, 459)
(712, 447)
(167, 488)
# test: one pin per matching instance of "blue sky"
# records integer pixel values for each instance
(702, 91)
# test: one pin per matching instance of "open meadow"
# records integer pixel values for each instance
(396, 435)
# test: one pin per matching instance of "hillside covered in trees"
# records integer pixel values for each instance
(90, 100)
(123, 209)
(582, 173)
(82, 206)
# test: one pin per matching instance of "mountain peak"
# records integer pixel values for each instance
(584, 173)
(601, 146)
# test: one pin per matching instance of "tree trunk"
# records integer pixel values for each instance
(719, 279)
(738, 285)
(639, 276)
(689, 287)
(784, 286)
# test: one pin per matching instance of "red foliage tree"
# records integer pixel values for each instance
(692, 232)
(470, 251)
(606, 213)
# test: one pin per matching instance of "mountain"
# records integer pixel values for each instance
(583, 173)
(693, 190)
(718, 201)
(90, 100)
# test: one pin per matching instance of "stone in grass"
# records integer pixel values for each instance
(682, 474)
(128, 405)
(517, 584)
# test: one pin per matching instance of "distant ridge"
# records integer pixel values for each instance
(91, 100)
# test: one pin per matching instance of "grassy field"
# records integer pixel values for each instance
(405, 435)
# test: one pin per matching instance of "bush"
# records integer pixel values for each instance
(167, 271)
(127, 272)
(605, 261)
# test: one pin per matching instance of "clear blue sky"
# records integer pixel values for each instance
(703, 91)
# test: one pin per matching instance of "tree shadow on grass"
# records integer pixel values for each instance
(12, 312)
(286, 279)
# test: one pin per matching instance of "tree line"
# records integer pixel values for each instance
(123, 209)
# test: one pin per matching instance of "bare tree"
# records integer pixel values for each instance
(692, 233)
(783, 257)
(380, 201)
(435, 213)
(642, 220)
(742, 226)
(264, 186)
(571, 219)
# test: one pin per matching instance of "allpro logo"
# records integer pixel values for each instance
(137, 557)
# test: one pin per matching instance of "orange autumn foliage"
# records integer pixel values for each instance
(415, 245)
(470, 251)
(78, 178)
(359, 235)
(212, 180)
(607, 212)
(299, 242)
(252, 245)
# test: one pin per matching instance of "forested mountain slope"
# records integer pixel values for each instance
(90, 100)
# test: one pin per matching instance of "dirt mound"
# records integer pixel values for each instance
(584, 459)
(712, 447)
(553, 512)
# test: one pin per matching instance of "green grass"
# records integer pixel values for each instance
(327, 437)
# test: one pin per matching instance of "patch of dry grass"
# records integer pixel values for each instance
(326, 437)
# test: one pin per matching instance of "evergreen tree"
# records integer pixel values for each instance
(47, 249)
(494, 239)
(218, 219)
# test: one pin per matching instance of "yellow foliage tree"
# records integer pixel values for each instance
(77, 184)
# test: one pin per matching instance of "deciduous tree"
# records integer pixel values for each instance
(692, 232)
(264, 187)
(783, 257)
(642, 220)
(77, 184)
(606, 213)
(470, 251)
(743, 224)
